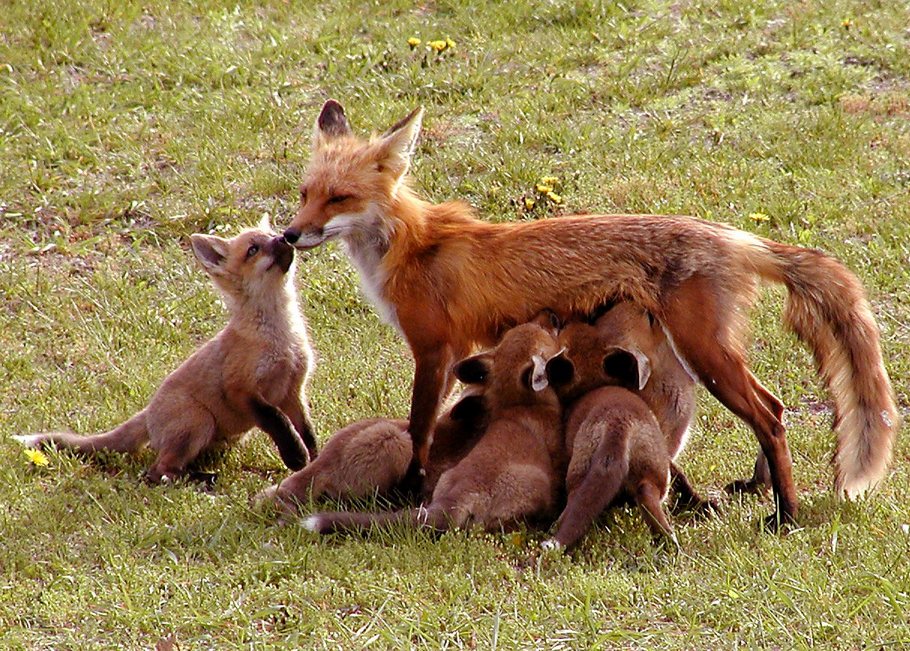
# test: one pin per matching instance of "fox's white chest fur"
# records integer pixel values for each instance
(366, 240)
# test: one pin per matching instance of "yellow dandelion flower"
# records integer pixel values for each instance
(529, 203)
(759, 217)
(555, 198)
(414, 42)
(449, 42)
(38, 458)
(550, 180)
(543, 188)
(846, 23)
(439, 46)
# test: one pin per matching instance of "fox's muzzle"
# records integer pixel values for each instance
(282, 252)
(304, 240)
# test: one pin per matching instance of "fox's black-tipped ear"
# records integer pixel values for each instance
(396, 145)
(560, 369)
(469, 407)
(474, 370)
(330, 124)
(629, 366)
(210, 250)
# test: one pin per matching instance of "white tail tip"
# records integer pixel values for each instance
(551, 544)
(29, 440)
(312, 523)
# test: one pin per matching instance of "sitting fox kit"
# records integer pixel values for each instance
(615, 447)
(514, 471)
(449, 282)
(252, 373)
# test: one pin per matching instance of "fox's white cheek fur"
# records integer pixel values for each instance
(366, 238)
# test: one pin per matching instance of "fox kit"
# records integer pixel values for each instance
(514, 471)
(252, 373)
(450, 282)
(601, 351)
(372, 456)
(616, 448)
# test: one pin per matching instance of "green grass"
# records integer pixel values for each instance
(124, 127)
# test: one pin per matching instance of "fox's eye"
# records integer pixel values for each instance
(338, 198)
(253, 250)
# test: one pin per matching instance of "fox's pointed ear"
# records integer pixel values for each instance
(628, 365)
(470, 407)
(265, 224)
(560, 369)
(475, 369)
(396, 145)
(210, 250)
(330, 124)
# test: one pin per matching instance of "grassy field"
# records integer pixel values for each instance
(126, 126)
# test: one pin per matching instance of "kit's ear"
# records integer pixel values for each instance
(628, 365)
(560, 369)
(211, 251)
(548, 319)
(469, 407)
(330, 124)
(474, 369)
(396, 146)
(265, 224)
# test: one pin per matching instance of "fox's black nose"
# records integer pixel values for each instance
(291, 236)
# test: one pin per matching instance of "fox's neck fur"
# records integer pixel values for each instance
(271, 316)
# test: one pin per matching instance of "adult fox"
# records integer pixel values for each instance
(450, 282)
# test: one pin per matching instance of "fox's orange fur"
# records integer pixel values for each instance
(451, 282)
(252, 373)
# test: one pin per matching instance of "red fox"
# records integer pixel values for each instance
(372, 456)
(451, 282)
(601, 353)
(252, 373)
(615, 448)
(514, 471)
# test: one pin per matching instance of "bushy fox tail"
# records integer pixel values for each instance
(828, 310)
(127, 437)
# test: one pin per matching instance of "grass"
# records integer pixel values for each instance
(124, 127)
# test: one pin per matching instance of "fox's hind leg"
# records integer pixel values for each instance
(687, 498)
(761, 473)
(648, 495)
(696, 320)
(177, 449)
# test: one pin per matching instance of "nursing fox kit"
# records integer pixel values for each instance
(450, 282)
(252, 373)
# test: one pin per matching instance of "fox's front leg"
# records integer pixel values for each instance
(431, 376)
(279, 427)
(296, 409)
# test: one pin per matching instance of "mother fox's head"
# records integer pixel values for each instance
(351, 183)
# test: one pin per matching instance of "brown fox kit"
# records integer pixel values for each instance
(451, 282)
(616, 448)
(372, 456)
(252, 373)
(669, 390)
(514, 471)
